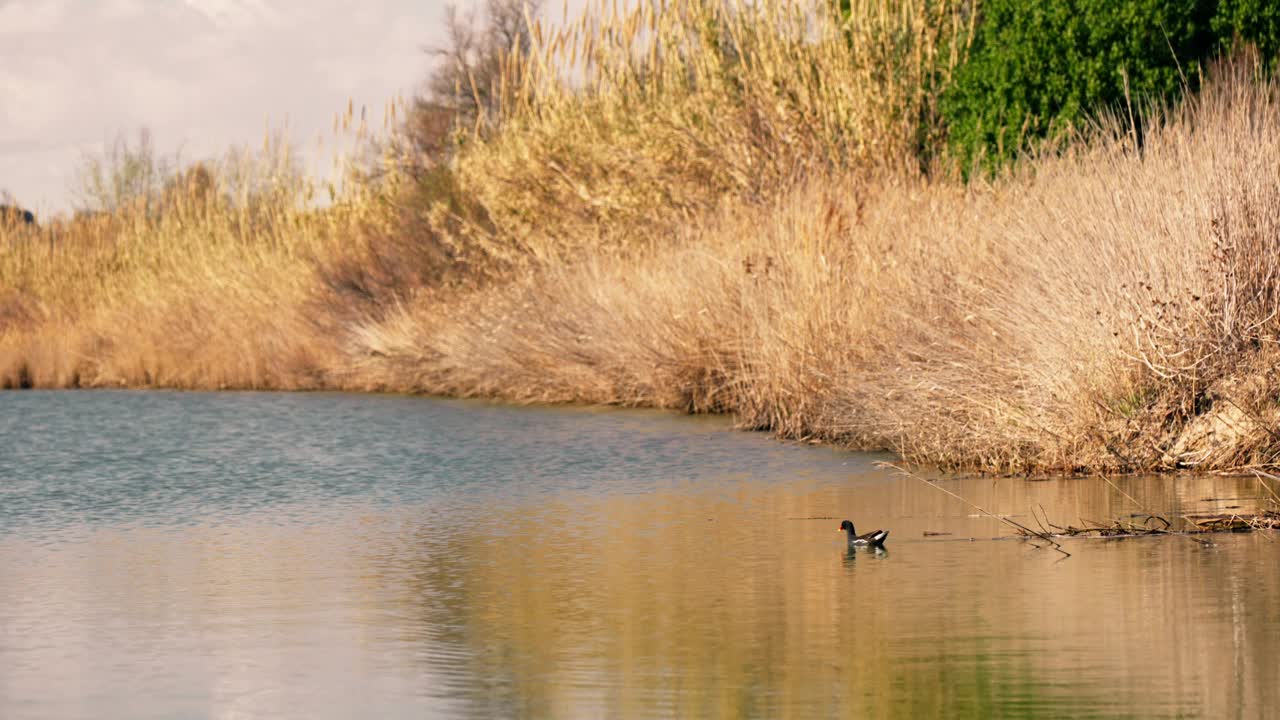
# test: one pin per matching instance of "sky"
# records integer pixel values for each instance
(200, 75)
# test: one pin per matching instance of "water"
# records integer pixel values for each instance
(168, 555)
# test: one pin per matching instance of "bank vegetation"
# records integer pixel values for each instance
(719, 208)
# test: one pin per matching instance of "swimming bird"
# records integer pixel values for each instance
(874, 539)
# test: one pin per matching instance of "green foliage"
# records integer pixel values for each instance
(1254, 21)
(1040, 67)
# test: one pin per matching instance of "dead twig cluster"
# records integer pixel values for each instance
(1235, 522)
(1137, 524)
(1018, 527)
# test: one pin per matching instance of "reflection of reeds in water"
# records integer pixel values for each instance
(721, 605)
(707, 601)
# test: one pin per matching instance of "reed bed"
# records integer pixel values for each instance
(721, 208)
(621, 127)
(1108, 308)
(209, 284)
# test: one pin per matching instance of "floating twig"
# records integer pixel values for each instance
(1022, 529)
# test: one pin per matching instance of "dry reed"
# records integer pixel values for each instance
(1108, 308)
(721, 231)
(636, 119)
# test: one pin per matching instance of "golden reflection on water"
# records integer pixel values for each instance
(695, 600)
(727, 604)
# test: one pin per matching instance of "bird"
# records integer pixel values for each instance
(874, 539)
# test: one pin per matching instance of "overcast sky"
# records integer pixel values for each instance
(202, 75)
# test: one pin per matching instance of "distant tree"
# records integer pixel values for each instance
(125, 175)
(195, 186)
(470, 66)
(463, 88)
(11, 215)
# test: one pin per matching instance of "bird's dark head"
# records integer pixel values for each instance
(846, 526)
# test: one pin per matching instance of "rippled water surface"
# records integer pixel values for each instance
(232, 555)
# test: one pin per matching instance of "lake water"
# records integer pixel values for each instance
(188, 555)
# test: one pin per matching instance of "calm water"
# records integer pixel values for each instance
(168, 555)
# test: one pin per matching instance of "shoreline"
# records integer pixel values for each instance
(1097, 311)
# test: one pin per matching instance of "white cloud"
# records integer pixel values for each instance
(122, 9)
(235, 13)
(21, 17)
(201, 74)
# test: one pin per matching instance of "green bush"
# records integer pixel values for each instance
(1040, 67)
(1254, 21)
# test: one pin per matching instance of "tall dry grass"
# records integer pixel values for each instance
(207, 282)
(1111, 308)
(729, 221)
(637, 118)
(611, 132)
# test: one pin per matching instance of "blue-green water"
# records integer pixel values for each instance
(269, 555)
